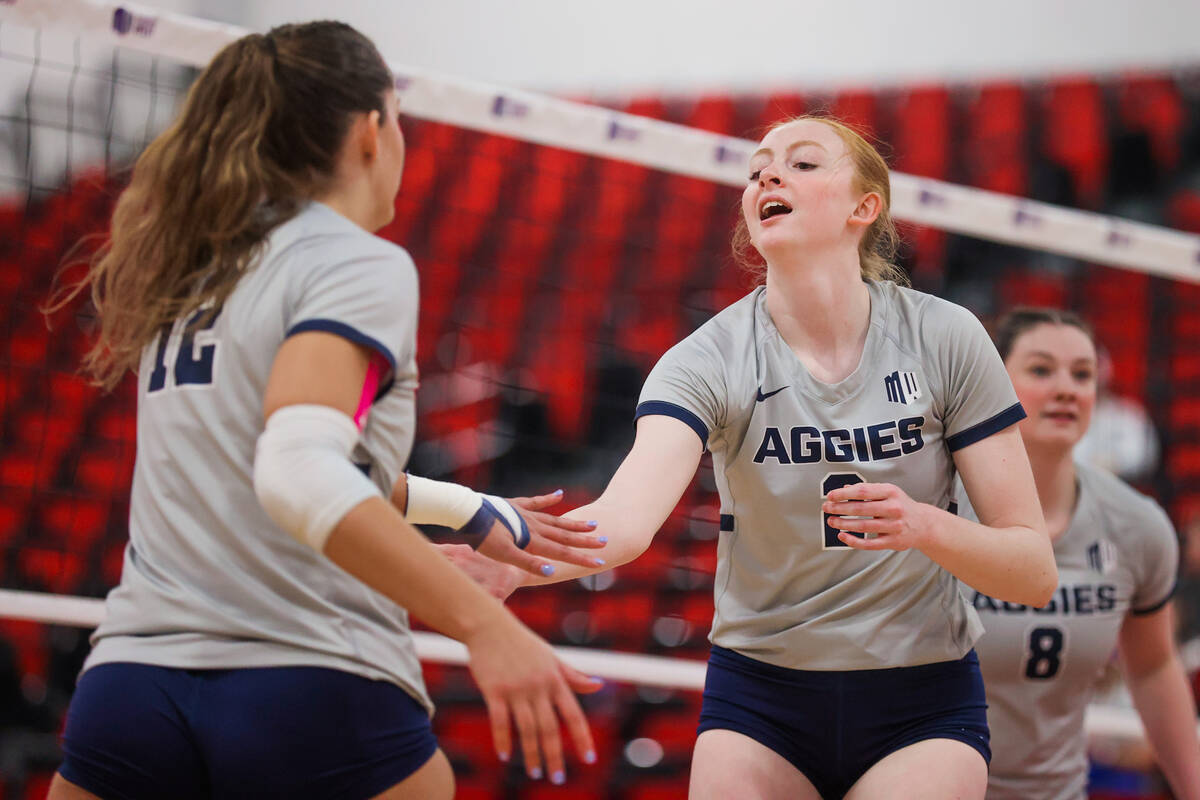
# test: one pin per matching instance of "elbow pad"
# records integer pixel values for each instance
(302, 471)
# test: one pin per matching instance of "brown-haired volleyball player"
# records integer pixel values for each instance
(258, 643)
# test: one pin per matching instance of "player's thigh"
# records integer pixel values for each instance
(433, 781)
(931, 769)
(728, 764)
(63, 789)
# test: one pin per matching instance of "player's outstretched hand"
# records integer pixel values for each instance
(571, 541)
(890, 518)
(500, 580)
(524, 684)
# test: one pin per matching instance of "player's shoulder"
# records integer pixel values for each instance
(729, 326)
(1129, 511)
(921, 323)
(911, 308)
(319, 237)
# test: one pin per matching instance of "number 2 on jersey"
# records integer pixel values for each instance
(836, 480)
(191, 367)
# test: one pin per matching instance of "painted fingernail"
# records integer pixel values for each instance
(602, 539)
(593, 522)
(589, 757)
(558, 778)
(599, 562)
(557, 491)
(536, 773)
(547, 570)
(503, 757)
(595, 679)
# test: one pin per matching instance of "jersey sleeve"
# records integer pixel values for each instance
(688, 383)
(978, 396)
(1156, 569)
(370, 299)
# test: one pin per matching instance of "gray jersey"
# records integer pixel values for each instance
(209, 581)
(1041, 666)
(787, 591)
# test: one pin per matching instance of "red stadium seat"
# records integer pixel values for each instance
(1152, 103)
(996, 137)
(1076, 136)
(54, 570)
(75, 523)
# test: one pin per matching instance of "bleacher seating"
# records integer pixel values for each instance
(551, 265)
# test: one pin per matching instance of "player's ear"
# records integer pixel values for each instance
(364, 136)
(867, 210)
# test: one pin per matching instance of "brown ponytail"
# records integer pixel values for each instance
(258, 135)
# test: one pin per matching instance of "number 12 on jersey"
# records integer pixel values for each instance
(192, 365)
(832, 481)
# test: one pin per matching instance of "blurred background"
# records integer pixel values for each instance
(551, 282)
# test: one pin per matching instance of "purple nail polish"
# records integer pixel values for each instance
(593, 522)
(589, 757)
(599, 562)
(503, 757)
(558, 778)
(547, 570)
(557, 491)
(602, 540)
(536, 773)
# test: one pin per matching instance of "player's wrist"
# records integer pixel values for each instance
(930, 528)
(471, 514)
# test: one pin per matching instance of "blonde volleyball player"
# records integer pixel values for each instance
(258, 644)
(837, 403)
(1117, 556)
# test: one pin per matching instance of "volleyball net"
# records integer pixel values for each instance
(563, 246)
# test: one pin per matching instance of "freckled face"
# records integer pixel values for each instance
(800, 189)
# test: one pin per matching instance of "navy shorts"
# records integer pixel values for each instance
(833, 726)
(136, 731)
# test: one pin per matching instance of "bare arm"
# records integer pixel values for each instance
(640, 496)
(516, 671)
(1007, 554)
(1160, 691)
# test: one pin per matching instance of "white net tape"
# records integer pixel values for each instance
(1113, 726)
(660, 145)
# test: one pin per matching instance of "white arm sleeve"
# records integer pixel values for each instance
(302, 472)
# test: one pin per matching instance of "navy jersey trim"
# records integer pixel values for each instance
(383, 390)
(727, 523)
(678, 412)
(1009, 416)
(346, 332)
(1141, 612)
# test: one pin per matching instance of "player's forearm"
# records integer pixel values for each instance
(1164, 701)
(374, 544)
(628, 537)
(1015, 563)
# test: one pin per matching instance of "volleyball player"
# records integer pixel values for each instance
(1117, 557)
(258, 643)
(838, 407)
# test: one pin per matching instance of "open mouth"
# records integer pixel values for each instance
(772, 208)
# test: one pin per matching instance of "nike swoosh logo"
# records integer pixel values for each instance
(762, 396)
